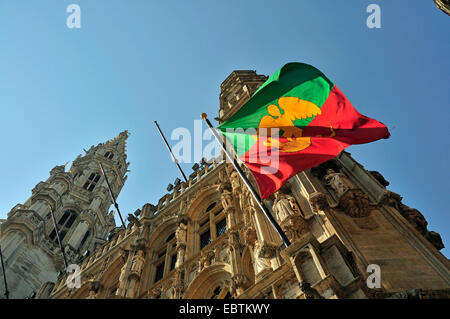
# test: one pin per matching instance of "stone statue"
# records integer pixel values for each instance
(235, 182)
(137, 262)
(285, 206)
(261, 263)
(338, 182)
(180, 233)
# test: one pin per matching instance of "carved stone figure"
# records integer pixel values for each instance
(180, 234)
(137, 263)
(206, 259)
(338, 182)
(262, 262)
(235, 182)
(226, 197)
(285, 206)
(415, 218)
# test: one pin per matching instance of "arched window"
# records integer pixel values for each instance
(166, 258)
(65, 222)
(109, 155)
(85, 237)
(221, 293)
(91, 182)
(211, 225)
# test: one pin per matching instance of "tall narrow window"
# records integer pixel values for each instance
(173, 261)
(221, 227)
(109, 155)
(165, 257)
(205, 239)
(159, 272)
(91, 181)
(64, 224)
(211, 225)
(85, 237)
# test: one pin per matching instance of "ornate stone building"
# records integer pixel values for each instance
(208, 239)
(80, 201)
(443, 5)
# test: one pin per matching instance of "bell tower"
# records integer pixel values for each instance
(80, 202)
(237, 88)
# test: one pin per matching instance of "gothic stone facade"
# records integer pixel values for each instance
(80, 201)
(208, 239)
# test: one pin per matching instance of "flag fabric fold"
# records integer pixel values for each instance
(296, 120)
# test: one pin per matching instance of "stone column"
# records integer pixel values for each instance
(95, 204)
(78, 234)
(239, 280)
(41, 208)
(296, 254)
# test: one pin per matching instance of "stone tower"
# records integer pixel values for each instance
(207, 238)
(80, 202)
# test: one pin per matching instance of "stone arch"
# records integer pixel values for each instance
(207, 280)
(110, 278)
(202, 200)
(157, 241)
(158, 236)
(198, 206)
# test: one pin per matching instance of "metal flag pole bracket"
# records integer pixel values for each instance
(256, 196)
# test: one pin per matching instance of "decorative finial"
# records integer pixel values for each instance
(204, 116)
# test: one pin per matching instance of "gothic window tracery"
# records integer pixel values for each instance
(166, 258)
(64, 225)
(91, 182)
(211, 224)
(109, 155)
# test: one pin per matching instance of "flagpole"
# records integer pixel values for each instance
(170, 151)
(4, 274)
(256, 196)
(57, 237)
(112, 195)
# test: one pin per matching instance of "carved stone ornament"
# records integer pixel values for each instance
(250, 237)
(318, 201)
(285, 206)
(240, 282)
(266, 251)
(415, 218)
(137, 263)
(180, 234)
(310, 293)
(206, 259)
(338, 182)
(295, 227)
(262, 258)
(355, 203)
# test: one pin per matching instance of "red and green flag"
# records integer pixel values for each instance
(296, 120)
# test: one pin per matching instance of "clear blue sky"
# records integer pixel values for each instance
(134, 61)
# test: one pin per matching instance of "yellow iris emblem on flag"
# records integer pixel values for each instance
(294, 109)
